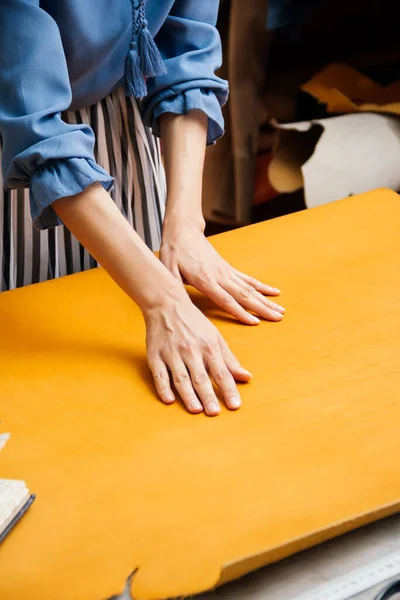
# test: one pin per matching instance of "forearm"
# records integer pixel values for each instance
(184, 144)
(95, 220)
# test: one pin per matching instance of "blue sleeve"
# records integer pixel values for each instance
(191, 48)
(40, 151)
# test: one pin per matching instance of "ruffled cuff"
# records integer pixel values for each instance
(180, 104)
(58, 179)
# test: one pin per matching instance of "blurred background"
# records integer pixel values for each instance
(314, 108)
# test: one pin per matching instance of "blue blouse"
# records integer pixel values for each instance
(64, 55)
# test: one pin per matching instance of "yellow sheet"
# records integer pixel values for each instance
(346, 90)
(123, 481)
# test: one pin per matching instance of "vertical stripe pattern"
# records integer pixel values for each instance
(131, 154)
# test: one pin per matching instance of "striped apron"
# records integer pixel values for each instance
(127, 150)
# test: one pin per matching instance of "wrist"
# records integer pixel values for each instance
(170, 294)
(180, 219)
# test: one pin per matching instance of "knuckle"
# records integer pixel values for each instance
(254, 291)
(160, 375)
(222, 376)
(185, 346)
(223, 277)
(228, 300)
(203, 276)
(181, 377)
(199, 378)
(212, 357)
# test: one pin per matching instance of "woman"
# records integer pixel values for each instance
(62, 69)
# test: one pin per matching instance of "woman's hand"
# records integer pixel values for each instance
(187, 253)
(184, 348)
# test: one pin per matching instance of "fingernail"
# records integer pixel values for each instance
(169, 397)
(245, 372)
(254, 320)
(278, 307)
(277, 314)
(234, 402)
(213, 408)
(276, 290)
(195, 406)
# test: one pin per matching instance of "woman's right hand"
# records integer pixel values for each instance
(185, 349)
(179, 337)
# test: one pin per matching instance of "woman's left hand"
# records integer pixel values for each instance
(190, 257)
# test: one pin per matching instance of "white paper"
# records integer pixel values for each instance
(355, 153)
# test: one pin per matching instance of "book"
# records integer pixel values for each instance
(15, 499)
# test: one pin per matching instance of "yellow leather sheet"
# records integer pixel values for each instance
(124, 482)
(346, 90)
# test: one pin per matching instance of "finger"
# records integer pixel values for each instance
(239, 373)
(258, 285)
(184, 385)
(203, 386)
(161, 380)
(226, 301)
(225, 382)
(247, 298)
(249, 288)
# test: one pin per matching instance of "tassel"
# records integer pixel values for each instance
(134, 82)
(151, 61)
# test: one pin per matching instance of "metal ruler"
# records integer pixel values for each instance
(355, 582)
